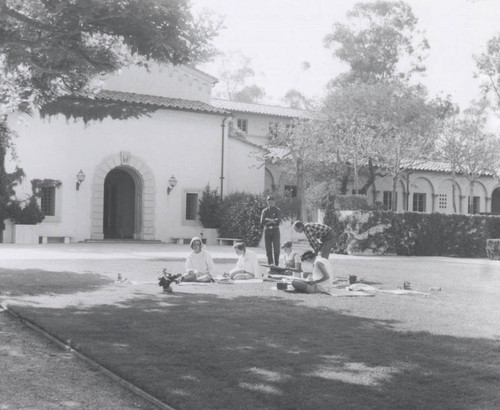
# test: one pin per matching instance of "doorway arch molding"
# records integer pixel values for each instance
(123, 160)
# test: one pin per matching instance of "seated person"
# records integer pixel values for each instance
(199, 264)
(290, 257)
(247, 266)
(321, 279)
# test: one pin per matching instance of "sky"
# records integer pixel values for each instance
(279, 35)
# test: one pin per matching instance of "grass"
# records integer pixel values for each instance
(247, 346)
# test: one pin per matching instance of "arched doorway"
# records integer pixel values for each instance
(121, 216)
(495, 202)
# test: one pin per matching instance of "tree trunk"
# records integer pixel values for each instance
(344, 182)
(356, 178)
(471, 198)
(453, 191)
(301, 191)
(394, 187)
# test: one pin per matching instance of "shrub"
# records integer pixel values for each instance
(209, 209)
(412, 233)
(240, 217)
(29, 215)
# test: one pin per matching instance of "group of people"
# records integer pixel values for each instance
(201, 268)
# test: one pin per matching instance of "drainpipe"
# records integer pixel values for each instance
(223, 126)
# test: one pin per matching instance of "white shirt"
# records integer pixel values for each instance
(326, 285)
(249, 263)
(200, 263)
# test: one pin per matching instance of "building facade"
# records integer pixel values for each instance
(135, 178)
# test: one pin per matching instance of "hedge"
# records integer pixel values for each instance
(412, 233)
(239, 217)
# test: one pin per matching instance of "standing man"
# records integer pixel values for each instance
(321, 237)
(270, 219)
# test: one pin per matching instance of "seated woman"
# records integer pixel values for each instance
(199, 264)
(321, 279)
(290, 257)
(247, 266)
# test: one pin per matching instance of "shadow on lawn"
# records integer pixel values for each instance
(202, 352)
(18, 282)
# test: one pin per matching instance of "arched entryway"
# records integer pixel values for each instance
(121, 219)
(495, 202)
(116, 178)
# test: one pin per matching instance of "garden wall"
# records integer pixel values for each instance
(412, 233)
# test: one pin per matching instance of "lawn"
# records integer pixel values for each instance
(252, 347)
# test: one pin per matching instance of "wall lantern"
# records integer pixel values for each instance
(80, 177)
(171, 183)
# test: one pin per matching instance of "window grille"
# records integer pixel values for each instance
(48, 201)
(443, 201)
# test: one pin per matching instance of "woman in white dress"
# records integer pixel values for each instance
(247, 266)
(322, 275)
(199, 264)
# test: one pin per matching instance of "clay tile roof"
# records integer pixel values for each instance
(261, 109)
(161, 102)
(435, 166)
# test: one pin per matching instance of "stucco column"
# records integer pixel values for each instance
(462, 210)
(487, 205)
(434, 196)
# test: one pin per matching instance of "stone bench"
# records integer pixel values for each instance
(184, 241)
(228, 241)
(54, 239)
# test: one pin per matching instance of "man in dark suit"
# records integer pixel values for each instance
(270, 219)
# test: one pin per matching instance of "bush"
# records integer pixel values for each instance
(412, 233)
(29, 215)
(240, 217)
(209, 210)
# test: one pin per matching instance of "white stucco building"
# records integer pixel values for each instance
(129, 164)
(429, 188)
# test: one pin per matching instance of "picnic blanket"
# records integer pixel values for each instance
(404, 292)
(238, 282)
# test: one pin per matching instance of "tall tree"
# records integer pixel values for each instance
(235, 74)
(380, 41)
(298, 148)
(488, 66)
(390, 122)
(52, 48)
(469, 148)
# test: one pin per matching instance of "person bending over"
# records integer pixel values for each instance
(291, 258)
(199, 264)
(321, 279)
(247, 266)
(320, 236)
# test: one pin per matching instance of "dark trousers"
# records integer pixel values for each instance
(328, 244)
(272, 240)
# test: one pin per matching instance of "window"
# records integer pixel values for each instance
(48, 202)
(419, 202)
(475, 205)
(242, 125)
(191, 207)
(291, 191)
(442, 201)
(387, 200)
(361, 191)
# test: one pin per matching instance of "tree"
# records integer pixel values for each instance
(488, 65)
(235, 72)
(380, 42)
(52, 48)
(295, 99)
(468, 148)
(392, 122)
(299, 149)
